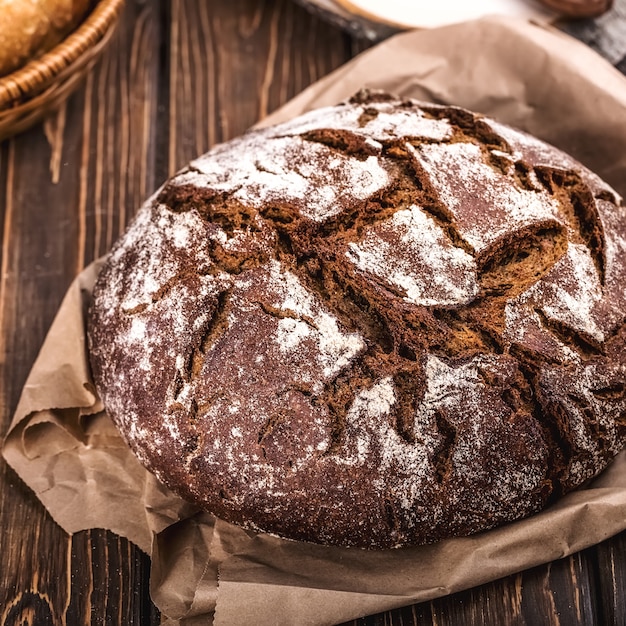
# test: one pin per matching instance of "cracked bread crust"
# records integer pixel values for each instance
(382, 324)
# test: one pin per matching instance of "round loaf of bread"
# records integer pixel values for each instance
(381, 324)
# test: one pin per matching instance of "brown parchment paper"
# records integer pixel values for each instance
(206, 571)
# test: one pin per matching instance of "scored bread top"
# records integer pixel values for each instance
(380, 324)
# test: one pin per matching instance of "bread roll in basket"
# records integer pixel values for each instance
(47, 47)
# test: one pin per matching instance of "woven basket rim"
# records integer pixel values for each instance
(38, 73)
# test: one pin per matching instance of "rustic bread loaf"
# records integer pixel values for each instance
(28, 28)
(381, 324)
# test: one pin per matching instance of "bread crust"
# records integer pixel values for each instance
(381, 324)
(28, 28)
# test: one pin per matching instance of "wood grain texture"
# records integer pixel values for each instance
(67, 189)
(230, 67)
(181, 76)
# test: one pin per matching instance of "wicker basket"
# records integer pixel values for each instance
(39, 87)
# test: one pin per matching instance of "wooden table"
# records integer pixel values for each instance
(180, 76)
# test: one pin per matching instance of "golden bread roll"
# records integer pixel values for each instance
(28, 28)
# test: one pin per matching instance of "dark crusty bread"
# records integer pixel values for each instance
(381, 324)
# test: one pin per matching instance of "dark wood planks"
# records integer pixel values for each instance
(181, 76)
(231, 63)
(66, 190)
